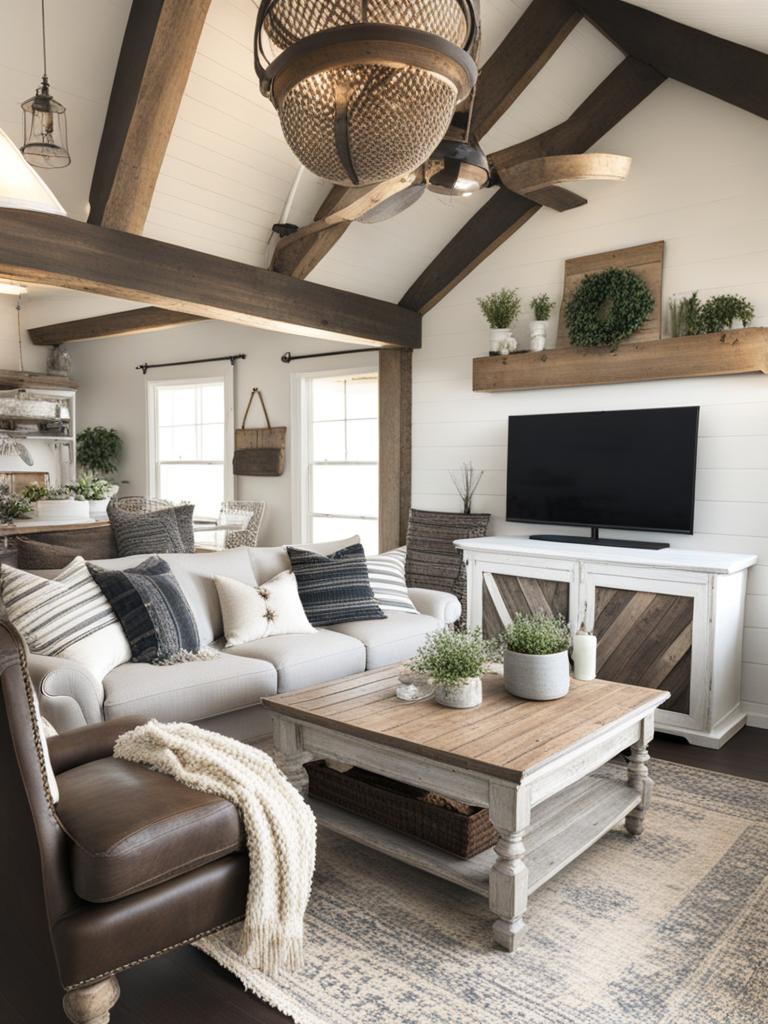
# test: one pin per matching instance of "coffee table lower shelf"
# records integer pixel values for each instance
(562, 827)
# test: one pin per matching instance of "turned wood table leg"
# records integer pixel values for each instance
(91, 1004)
(639, 778)
(510, 812)
(288, 744)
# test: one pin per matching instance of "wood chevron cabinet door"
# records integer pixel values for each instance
(504, 595)
(653, 633)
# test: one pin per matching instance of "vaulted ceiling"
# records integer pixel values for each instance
(227, 173)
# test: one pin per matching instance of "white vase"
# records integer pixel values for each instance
(98, 509)
(498, 337)
(537, 676)
(538, 335)
(466, 694)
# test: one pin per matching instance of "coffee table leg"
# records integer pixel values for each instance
(510, 812)
(639, 778)
(288, 743)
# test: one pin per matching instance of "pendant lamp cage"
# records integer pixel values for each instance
(365, 89)
(45, 122)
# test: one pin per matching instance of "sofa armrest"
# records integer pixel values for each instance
(89, 742)
(437, 603)
(69, 695)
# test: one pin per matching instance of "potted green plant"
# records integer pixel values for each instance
(53, 502)
(685, 315)
(536, 657)
(95, 491)
(500, 310)
(541, 306)
(98, 452)
(454, 660)
(721, 311)
(12, 506)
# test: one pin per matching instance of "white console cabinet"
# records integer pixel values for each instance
(670, 619)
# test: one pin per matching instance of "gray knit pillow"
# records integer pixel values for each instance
(152, 533)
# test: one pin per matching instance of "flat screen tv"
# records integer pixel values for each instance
(634, 469)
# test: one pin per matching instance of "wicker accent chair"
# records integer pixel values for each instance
(248, 536)
(141, 504)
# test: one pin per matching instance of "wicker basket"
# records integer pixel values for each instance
(403, 809)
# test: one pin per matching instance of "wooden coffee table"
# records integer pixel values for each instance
(529, 762)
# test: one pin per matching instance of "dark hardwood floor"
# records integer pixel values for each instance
(188, 988)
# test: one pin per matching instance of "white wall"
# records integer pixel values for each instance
(698, 182)
(113, 392)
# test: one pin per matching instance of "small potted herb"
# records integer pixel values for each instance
(95, 491)
(536, 657)
(12, 506)
(500, 310)
(542, 307)
(720, 312)
(454, 660)
(53, 502)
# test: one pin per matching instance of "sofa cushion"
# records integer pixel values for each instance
(132, 828)
(194, 574)
(152, 609)
(334, 588)
(272, 608)
(159, 532)
(302, 660)
(188, 692)
(387, 575)
(390, 640)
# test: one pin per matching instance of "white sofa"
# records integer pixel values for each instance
(225, 693)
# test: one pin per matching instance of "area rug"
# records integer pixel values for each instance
(670, 928)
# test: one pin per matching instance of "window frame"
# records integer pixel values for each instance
(153, 386)
(301, 430)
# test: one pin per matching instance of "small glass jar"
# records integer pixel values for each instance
(414, 686)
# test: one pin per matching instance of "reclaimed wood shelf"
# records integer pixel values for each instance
(18, 379)
(700, 355)
(561, 829)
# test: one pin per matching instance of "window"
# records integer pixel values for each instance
(340, 469)
(188, 443)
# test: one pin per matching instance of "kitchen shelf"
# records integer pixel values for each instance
(701, 355)
(34, 381)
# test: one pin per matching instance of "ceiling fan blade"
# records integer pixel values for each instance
(549, 172)
(556, 198)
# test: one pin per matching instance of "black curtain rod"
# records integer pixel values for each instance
(288, 357)
(192, 362)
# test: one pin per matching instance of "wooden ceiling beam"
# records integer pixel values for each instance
(731, 72)
(111, 325)
(520, 56)
(43, 248)
(507, 212)
(159, 45)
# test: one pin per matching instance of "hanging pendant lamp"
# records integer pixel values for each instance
(45, 123)
(365, 89)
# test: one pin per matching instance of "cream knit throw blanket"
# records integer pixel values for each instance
(279, 829)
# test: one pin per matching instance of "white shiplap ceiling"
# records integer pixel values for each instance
(228, 172)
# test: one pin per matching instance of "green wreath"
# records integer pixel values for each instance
(608, 307)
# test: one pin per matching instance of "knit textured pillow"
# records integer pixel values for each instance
(387, 575)
(158, 533)
(65, 617)
(334, 588)
(153, 612)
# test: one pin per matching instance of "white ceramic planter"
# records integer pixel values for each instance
(61, 508)
(497, 340)
(98, 509)
(467, 694)
(538, 335)
(537, 676)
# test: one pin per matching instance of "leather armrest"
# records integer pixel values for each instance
(89, 743)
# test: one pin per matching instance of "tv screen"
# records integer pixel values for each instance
(634, 469)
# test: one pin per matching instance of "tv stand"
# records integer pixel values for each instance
(594, 538)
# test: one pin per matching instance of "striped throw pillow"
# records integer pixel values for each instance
(65, 617)
(387, 575)
(334, 588)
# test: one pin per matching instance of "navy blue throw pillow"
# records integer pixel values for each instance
(335, 588)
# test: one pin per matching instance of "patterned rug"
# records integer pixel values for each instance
(670, 928)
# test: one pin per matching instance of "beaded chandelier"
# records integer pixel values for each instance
(365, 89)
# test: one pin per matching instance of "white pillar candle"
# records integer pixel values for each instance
(584, 654)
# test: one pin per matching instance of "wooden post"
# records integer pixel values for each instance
(395, 389)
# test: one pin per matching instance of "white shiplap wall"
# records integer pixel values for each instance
(698, 182)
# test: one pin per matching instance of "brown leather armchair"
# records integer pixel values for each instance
(127, 865)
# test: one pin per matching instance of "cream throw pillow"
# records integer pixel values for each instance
(250, 613)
